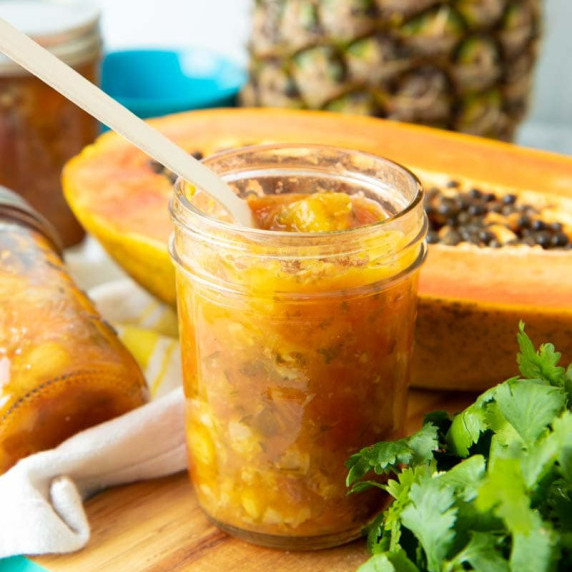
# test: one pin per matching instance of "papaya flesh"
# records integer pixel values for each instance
(471, 298)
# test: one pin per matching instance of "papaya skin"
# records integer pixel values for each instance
(470, 299)
(475, 342)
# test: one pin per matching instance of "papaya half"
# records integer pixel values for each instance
(500, 242)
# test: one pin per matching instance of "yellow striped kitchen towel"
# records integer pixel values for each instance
(148, 329)
(42, 495)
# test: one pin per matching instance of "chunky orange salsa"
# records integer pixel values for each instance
(287, 378)
(320, 212)
(40, 130)
(62, 368)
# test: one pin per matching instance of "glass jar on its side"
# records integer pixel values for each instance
(295, 346)
(39, 128)
(62, 368)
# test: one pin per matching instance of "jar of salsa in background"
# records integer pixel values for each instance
(296, 336)
(39, 128)
(62, 367)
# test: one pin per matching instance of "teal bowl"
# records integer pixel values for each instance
(156, 82)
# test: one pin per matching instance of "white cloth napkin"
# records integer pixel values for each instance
(41, 508)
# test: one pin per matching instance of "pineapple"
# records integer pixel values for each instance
(464, 65)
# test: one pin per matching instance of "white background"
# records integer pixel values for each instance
(223, 25)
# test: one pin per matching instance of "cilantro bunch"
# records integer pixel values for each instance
(489, 489)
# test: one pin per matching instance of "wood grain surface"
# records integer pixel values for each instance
(157, 526)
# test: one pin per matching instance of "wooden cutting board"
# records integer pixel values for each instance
(157, 526)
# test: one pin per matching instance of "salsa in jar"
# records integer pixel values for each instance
(62, 367)
(296, 337)
(40, 129)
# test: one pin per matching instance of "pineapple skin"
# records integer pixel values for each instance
(464, 65)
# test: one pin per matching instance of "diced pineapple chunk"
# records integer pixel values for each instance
(295, 461)
(252, 503)
(320, 212)
(299, 517)
(325, 486)
(201, 445)
(47, 360)
(243, 439)
(291, 516)
(272, 516)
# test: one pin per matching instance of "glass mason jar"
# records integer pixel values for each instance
(62, 368)
(39, 128)
(295, 346)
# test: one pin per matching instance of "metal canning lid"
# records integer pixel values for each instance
(14, 208)
(69, 29)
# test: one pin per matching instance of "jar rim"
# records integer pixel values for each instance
(69, 30)
(191, 211)
(15, 208)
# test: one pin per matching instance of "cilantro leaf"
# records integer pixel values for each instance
(529, 407)
(466, 477)
(535, 551)
(431, 516)
(539, 365)
(389, 562)
(504, 491)
(441, 419)
(385, 457)
(539, 460)
(483, 553)
(469, 425)
(489, 489)
(503, 435)
(557, 506)
(563, 434)
(378, 536)
(400, 490)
